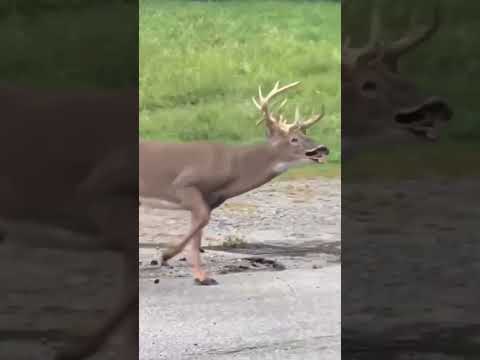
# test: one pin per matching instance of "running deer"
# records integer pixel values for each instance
(379, 105)
(199, 177)
(69, 180)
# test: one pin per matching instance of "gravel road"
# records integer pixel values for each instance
(294, 222)
(275, 252)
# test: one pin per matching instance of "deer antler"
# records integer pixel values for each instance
(415, 37)
(262, 103)
(304, 124)
(393, 51)
(353, 55)
(279, 121)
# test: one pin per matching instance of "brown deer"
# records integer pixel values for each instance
(379, 105)
(69, 171)
(198, 177)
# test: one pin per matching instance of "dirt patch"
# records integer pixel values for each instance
(300, 250)
(253, 264)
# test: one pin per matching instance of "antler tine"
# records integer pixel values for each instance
(354, 55)
(276, 90)
(263, 102)
(415, 38)
(298, 118)
(313, 119)
(282, 104)
(256, 103)
(374, 27)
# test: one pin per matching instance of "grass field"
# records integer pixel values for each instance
(201, 62)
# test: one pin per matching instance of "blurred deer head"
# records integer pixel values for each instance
(380, 105)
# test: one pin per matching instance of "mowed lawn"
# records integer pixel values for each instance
(201, 62)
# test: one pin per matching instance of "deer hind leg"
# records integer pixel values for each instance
(116, 214)
(125, 309)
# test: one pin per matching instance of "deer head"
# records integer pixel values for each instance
(377, 101)
(290, 139)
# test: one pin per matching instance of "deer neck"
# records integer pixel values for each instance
(254, 166)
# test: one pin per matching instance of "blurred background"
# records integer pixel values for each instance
(447, 65)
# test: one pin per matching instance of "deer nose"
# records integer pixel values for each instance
(323, 149)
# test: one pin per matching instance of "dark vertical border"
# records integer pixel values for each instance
(69, 179)
(410, 239)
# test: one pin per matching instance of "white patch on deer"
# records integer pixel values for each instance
(283, 166)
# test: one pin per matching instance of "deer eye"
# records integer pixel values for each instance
(369, 86)
(294, 140)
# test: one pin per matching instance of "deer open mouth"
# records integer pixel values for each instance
(318, 154)
(425, 119)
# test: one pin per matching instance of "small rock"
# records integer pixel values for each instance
(156, 281)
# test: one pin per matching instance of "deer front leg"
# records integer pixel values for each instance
(200, 275)
(192, 199)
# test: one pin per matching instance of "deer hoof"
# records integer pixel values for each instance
(206, 282)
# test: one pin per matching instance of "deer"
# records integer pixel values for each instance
(198, 177)
(69, 177)
(380, 106)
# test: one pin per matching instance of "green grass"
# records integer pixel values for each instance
(201, 62)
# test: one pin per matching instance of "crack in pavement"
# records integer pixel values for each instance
(316, 341)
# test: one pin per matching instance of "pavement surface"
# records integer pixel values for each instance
(293, 314)
(276, 255)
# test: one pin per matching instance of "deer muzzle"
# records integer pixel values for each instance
(425, 120)
(318, 154)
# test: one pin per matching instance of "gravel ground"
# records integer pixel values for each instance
(296, 224)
